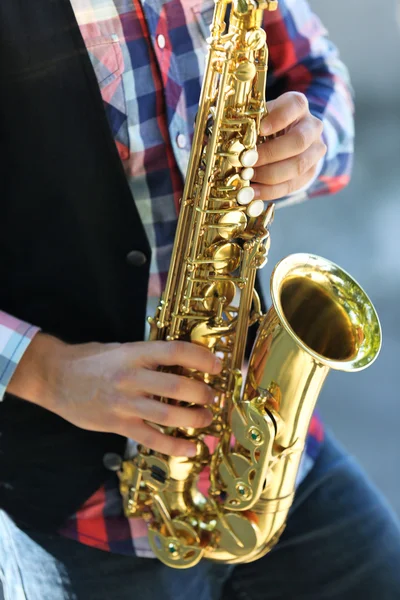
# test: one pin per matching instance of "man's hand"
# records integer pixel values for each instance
(107, 387)
(289, 161)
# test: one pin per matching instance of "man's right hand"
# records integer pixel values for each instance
(108, 387)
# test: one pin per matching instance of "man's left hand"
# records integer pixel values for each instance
(288, 161)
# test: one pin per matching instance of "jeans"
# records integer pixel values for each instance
(342, 542)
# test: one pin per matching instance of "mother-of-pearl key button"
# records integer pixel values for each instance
(255, 208)
(245, 195)
(248, 158)
(247, 174)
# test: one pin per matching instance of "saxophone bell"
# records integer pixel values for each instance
(320, 319)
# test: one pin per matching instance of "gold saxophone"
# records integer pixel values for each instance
(320, 319)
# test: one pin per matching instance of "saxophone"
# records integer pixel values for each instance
(319, 319)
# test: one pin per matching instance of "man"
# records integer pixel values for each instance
(96, 111)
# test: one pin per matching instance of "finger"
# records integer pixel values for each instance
(151, 438)
(283, 112)
(290, 168)
(294, 142)
(169, 415)
(280, 190)
(184, 354)
(167, 385)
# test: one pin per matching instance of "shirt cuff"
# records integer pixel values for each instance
(15, 337)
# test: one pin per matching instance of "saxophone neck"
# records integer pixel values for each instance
(244, 15)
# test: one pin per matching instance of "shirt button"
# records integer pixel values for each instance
(161, 41)
(181, 140)
(112, 461)
(136, 258)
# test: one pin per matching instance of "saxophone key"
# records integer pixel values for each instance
(247, 173)
(231, 224)
(225, 256)
(245, 196)
(248, 158)
(256, 208)
(221, 292)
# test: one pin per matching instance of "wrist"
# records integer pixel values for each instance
(36, 376)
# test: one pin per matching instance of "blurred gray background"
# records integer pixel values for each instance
(359, 228)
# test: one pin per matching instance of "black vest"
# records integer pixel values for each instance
(68, 222)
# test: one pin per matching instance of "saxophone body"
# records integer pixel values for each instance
(319, 319)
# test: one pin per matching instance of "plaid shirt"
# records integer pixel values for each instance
(148, 56)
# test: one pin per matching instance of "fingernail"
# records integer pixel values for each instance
(256, 193)
(265, 127)
(218, 363)
(192, 451)
(209, 417)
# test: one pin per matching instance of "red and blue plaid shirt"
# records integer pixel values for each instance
(148, 56)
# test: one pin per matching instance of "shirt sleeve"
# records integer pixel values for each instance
(15, 337)
(303, 59)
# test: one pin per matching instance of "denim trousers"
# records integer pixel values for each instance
(342, 542)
